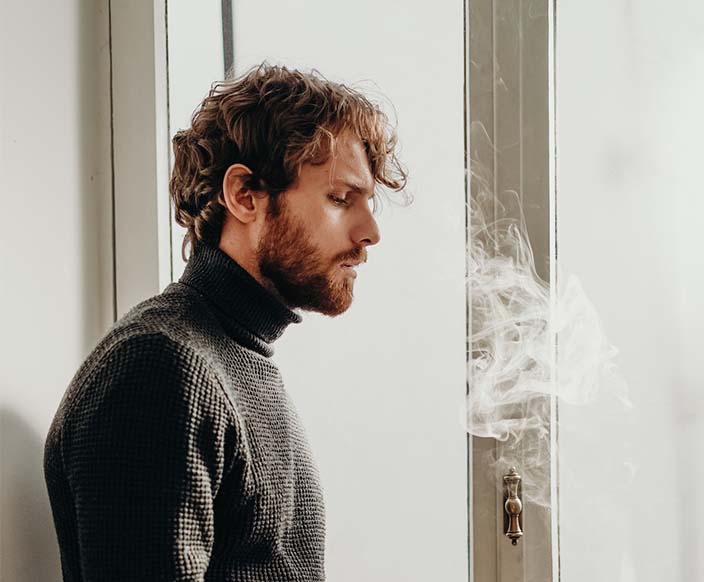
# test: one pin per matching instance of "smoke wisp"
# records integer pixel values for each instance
(529, 344)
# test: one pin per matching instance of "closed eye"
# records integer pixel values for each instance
(338, 201)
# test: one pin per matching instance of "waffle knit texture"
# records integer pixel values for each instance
(176, 453)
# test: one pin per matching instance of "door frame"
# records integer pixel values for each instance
(510, 147)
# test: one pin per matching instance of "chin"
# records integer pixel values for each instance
(326, 296)
(334, 304)
(332, 309)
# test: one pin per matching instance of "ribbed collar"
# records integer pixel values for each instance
(249, 312)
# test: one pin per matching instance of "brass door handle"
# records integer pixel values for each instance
(513, 506)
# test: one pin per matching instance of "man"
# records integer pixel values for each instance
(176, 453)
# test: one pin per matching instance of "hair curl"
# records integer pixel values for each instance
(273, 120)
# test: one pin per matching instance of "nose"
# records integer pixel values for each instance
(367, 232)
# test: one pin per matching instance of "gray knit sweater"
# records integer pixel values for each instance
(176, 454)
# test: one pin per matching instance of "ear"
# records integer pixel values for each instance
(242, 203)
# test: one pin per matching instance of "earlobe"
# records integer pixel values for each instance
(236, 197)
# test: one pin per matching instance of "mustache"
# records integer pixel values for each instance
(357, 255)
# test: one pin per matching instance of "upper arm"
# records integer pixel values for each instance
(145, 449)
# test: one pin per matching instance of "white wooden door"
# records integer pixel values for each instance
(615, 230)
(380, 389)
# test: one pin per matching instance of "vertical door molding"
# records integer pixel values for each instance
(509, 157)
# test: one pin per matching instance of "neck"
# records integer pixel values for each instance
(247, 310)
(239, 251)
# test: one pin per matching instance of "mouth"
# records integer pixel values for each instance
(350, 267)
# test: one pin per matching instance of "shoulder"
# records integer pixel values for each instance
(175, 326)
(142, 366)
(147, 402)
(179, 312)
(166, 344)
(190, 322)
(145, 389)
(170, 342)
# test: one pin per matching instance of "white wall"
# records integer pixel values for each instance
(55, 247)
(630, 206)
(381, 388)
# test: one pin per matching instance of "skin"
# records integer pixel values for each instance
(324, 222)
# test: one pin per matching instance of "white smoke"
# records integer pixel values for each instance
(529, 344)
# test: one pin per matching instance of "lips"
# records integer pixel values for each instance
(354, 262)
(349, 268)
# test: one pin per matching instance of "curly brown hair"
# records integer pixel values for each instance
(271, 119)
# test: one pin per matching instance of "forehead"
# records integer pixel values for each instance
(346, 167)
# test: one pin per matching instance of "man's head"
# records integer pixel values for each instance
(280, 170)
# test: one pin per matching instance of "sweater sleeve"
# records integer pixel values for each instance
(145, 448)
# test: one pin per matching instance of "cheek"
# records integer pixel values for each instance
(332, 228)
(327, 226)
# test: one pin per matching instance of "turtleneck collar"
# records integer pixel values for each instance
(249, 312)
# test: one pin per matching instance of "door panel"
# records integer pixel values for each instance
(630, 84)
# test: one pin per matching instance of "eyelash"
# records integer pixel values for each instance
(338, 201)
